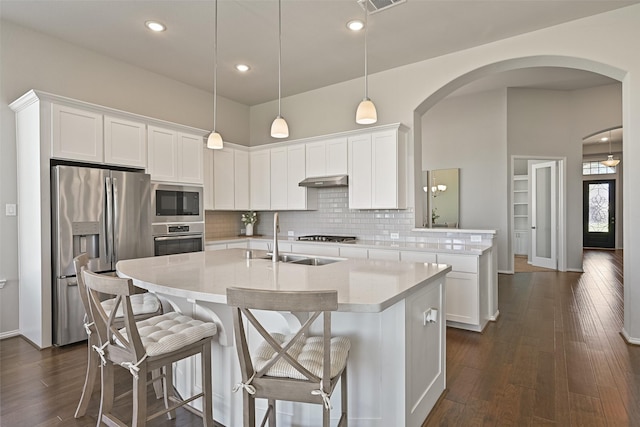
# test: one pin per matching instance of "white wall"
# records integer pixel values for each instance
(611, 50)
(469, 132)
(31, 60)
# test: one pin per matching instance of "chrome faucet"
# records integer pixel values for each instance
(275, 255)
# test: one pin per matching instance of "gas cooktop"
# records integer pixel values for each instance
(324, 238)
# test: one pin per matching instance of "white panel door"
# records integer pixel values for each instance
(385, 170)
(223, 179)
(260, 180)
(77, 134)
(279, 181)
(360, 172)
(543, 215)
(336, 156)
(316, 159)
(163, 151)
(125, 142)
(241, 179)
(296, 195)
(190, 163)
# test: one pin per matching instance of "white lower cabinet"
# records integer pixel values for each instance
(384, 254)
(351, 252)
(418, 256)
(462, 298)
(240, 244)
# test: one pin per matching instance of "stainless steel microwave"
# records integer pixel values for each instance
(176, 203)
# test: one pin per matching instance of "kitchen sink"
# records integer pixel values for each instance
(315, 261)
(304, 260)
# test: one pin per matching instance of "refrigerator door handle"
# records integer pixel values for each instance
(115, 220)
(108, 218)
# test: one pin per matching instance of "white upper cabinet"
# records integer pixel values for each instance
(77, 134)
(325, 158)
(241, 179)
(260, 179)
(175, 156)
(279, 182)
(226, 182)
(377, 170)
(125, 142)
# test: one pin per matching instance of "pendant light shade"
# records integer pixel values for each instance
(214, 141)
(279, 127)
(366, 113)
(610, 162)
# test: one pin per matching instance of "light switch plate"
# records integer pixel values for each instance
(10, 209)
(394, 236)
(290, 233)
(475, 238)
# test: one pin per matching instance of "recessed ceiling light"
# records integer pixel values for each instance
(604, 139)
(355, 25)
(243, 68)
(155, 26)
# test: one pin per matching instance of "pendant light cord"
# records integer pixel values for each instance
(279, 54)
(215, 65)
(366, 29)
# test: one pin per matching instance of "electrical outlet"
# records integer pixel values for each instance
(394, 236)
(290, 233)
(10, 209)
(476, 238)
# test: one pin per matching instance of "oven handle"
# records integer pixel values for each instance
(181, 237)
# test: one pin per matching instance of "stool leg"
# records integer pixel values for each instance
(207, 399)
(156, 376)
(106, 395)
(168, 388)
(140, 397)
(343, 396)
(93, 365)
(272, 412)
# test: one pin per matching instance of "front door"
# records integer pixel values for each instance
(599, 229)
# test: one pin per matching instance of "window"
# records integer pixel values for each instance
(596, 168)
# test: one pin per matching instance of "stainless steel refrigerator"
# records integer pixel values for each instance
(105, 213)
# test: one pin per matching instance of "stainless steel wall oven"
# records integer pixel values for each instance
(169, 239)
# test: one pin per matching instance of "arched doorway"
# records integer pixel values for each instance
(504, 244)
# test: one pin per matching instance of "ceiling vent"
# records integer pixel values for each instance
(374, 6)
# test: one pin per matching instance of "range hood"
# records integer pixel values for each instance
(325, 181)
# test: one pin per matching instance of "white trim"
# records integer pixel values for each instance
(628, 339)
(9, 334)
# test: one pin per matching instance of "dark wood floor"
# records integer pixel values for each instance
(555, 357)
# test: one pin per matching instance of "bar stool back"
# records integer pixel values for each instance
(155, 343)
(144, 305)
(297, 367)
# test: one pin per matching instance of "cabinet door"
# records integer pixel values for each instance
(336, 155)
(384, 174)
(260, 180)
(360, 172)
(190, 164)
(296, 195)
(316, 159)
(163, 152)
(241, 179)
(417, 256)
(462, 297)
(77, 134)
(349, 252)
(207, 191)
(384, 254)
(279, 178)
(223, 179)
(125, 142)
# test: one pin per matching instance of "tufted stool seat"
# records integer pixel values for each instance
(170, 332)
(307, 351)
(145, 303)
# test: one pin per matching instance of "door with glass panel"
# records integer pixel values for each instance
(544, 215)
(599, 229)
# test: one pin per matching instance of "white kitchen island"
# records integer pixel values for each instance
(396, 367)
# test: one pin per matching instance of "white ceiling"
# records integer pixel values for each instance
(317, 49)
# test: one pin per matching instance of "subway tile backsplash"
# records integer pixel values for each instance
(333, 217)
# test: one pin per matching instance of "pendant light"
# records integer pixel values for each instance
(279, 127)
(366, 113)
(215, 139)
(610, 162)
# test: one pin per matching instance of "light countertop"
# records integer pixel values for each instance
(443, 245)
(362, 285)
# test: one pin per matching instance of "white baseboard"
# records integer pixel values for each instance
(495, 316)
(628, 339)
(505, 271)
(575, 270)
(9, 334)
